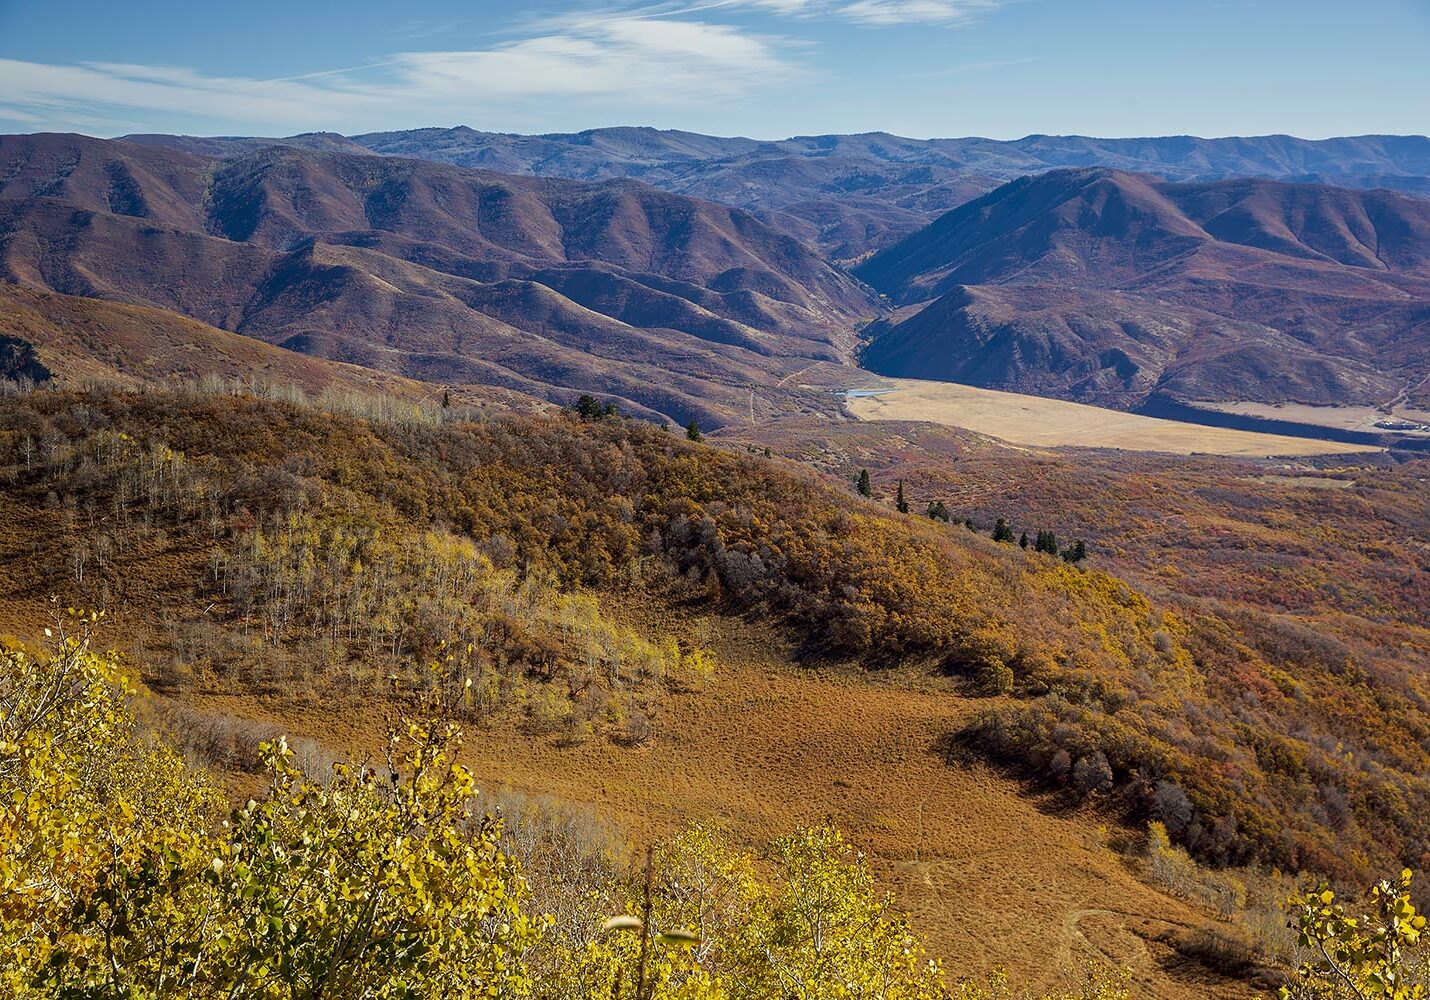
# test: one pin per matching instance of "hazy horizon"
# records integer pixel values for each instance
(752, 138)
(763, 69)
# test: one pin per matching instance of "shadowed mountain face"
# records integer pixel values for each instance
(676, 306)
(1109, 287)
(1090, 284)
(850, 195)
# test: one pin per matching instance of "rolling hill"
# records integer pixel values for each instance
(1112, 288)
(964, 707)
(1092, 285)
(78, 341)
(678, 308)
(853, 194)
(271, 561)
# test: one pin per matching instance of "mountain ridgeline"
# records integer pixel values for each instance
(1108, 287)
(671, 305)
(691, 277)
(851, 194)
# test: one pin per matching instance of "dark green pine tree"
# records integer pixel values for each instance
(1001, 531)
(610, 412)
(1023, 541)
(938, 511)
(900, 504)
(866, 489)
(1077, 552)
(692, 431)
(446, 400)
(1047, 542)
(587, 407)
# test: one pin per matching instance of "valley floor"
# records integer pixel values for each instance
(1040, 422)
(1350, 418)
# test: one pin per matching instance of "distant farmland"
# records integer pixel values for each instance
(1034, 420)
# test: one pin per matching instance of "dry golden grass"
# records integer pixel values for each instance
(1035, 421)
(93, 340)
(1351, 418)
(991, 875)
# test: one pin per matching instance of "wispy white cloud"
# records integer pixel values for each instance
(889, 12)
(877, 13)
(632, 59)
(70, 95)
(645, 57)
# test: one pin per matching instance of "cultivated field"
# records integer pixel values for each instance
(1033, 420)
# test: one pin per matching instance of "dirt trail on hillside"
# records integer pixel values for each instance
(988, 877)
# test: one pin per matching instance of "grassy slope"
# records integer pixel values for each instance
(587, 502)
(990, 874)
(1261, 533)
(85, 340)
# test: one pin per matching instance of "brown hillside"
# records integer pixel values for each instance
(89, 340)
(276, 562)
(1100, 670)
(674, 306)
(1107, 287)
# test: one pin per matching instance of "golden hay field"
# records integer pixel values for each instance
(1350, 418)
(990, 874)
(1036, 421)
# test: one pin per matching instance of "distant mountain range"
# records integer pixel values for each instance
(675, 307)
(689, 276)
(851, 194)
(1108, 287)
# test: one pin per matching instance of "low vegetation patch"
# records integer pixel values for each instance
(117, 878)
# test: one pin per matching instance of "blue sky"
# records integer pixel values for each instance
(762, 68)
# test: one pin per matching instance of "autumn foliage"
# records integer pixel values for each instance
(351, 542)
(119, 877)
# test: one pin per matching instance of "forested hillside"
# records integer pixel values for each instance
(272, 544)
